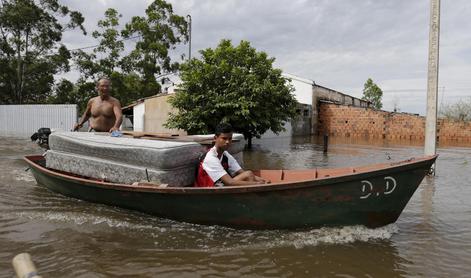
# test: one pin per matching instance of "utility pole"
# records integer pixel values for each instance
(432, 80)
(189, 37)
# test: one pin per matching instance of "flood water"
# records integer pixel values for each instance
(72, 238)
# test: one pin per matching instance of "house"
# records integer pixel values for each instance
(151, 113)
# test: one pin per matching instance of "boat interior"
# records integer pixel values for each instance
(275, 176)
(311, 174)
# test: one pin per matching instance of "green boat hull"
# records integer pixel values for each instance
(373, 199)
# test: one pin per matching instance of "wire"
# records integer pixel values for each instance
(95, 46)
(423, 90)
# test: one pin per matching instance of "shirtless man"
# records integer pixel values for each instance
(104, 110)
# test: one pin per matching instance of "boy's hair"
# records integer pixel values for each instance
(223, 128)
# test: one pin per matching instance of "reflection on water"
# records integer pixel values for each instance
(428, 190)
(308, 152)
(73, 238)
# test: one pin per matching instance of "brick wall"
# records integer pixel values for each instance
(454, 131)
(358, 122)
(320, 93)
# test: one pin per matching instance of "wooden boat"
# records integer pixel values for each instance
(372, 196)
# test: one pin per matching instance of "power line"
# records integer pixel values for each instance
(97, 45)
(424, 90)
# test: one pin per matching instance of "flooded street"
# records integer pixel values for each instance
(71, 238)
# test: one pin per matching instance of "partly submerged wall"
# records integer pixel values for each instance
(24, 120)
(360, 122)
(321, 94)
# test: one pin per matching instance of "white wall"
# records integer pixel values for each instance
(302, 88)
(303, 94)
(271, 134)
(24, 120)
(138, 116)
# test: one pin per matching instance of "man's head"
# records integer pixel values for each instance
(223, 136)
(103, 87)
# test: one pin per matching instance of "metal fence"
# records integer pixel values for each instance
(24, 120)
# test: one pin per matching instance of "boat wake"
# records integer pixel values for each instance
(344, 235)
(168, 234)
(21, 175)
(84, 219)
(261, 240)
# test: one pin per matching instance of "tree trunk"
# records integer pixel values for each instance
(249, 141)
(18, 89)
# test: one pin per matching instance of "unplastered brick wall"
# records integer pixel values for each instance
(358, 122)
(454, 131)
(403, 126)
(348, 121)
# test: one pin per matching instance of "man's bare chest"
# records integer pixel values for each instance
(102, 108)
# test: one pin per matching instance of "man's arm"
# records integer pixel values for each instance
(241, 174)
(118, 115)
(214, 169)
(85, 116)
(238, 172)
(242, 178)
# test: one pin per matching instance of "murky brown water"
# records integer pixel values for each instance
(72, 238)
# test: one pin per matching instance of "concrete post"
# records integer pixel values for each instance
(315, 110)
(432, 80)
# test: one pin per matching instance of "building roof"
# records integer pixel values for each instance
(300, 79)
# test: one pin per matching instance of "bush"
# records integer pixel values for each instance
(460, 111)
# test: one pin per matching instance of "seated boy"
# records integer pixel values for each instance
(219, 168)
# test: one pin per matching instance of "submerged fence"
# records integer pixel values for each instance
(24, 120)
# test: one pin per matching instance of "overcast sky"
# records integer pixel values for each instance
(337, 43)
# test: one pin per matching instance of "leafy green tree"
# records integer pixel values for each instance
(134, 75)
(231, 84)
(63, 93)
(106, 57)
(104, 60)
(30, 49)
(159, 31)
(66, 92)
(373, 94)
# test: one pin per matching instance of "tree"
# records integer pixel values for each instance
(231, 84)
(30, 49)
(104, 60)
(373, 94)
(106, 57)
(63, 93)
(460, 111)
(134, 75)
(157, 33)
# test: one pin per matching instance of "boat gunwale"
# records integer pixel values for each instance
(285, 185)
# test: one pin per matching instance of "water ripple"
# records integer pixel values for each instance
(71, 238)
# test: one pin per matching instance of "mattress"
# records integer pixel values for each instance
(118, 172)
(139, 152)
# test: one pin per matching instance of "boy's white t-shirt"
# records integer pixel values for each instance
(213, 167)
